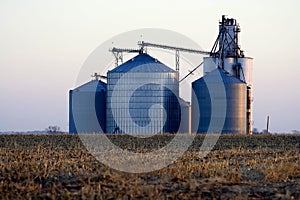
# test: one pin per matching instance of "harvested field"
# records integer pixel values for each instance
(239, 167)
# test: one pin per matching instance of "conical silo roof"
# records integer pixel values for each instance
(214, 77)
(142, 63)
(91, 86)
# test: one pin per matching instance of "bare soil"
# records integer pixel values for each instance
(239, 167)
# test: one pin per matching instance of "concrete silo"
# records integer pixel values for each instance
(142, 97)
(87, 108)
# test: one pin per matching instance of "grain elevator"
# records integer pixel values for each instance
(227, 59)
(141, 95)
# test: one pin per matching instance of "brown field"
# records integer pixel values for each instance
(239, 167)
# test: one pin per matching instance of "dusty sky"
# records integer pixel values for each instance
(43, 45)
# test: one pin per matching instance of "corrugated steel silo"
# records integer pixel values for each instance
(234, 98)
(87, 108)
(142, 97)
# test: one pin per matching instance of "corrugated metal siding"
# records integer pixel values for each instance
(236, 104)
(162, 89)
(87, 108)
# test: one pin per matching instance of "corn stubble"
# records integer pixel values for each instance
(239, 167)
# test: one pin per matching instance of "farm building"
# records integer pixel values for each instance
(141, 96)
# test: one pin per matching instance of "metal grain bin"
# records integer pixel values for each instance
(205, 90)
(142, 97)
(87, 108)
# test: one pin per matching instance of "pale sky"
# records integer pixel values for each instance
(43, 45)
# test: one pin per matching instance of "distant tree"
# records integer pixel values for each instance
(295, 132)
(53, 129)
(265, 131)
(255, 131)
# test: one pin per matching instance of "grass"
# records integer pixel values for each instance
(239, 167)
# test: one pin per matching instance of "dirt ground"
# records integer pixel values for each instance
(238, 167)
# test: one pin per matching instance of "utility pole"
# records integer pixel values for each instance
(268, 122)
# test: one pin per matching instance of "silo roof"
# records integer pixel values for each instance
(91, 86)
(142, 63)
(213, 77)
